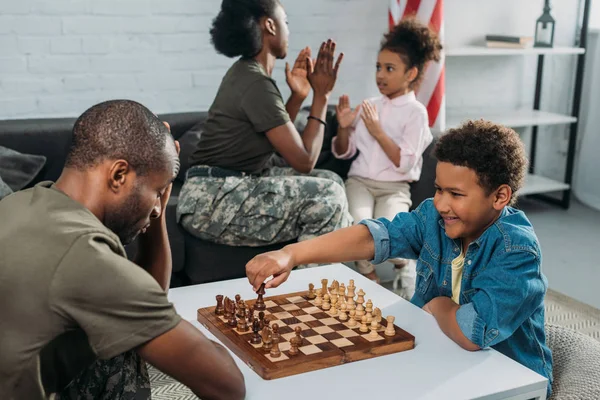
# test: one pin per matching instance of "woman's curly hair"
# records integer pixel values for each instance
(236, 29)
(495, 152)
(415, 43)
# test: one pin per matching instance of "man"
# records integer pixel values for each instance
(68, 293)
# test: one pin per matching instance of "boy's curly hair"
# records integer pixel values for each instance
(415, 43)
(494, 152)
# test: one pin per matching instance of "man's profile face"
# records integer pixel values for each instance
(132, 216)
(141, 199)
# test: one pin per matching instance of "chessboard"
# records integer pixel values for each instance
(323, 340)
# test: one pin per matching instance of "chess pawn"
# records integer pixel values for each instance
(242, 324)
(363, 326)
(389, 329)
(311, 292)
(275, 352)
(369, 306)
(295, 342)
(261, 319)
(232, 320)
(319, 298)
(333, 311)
(326, 305)
(256, 339)
(219, 309)
(334, 302)
(333, 295)
(369, 318)
(373, 333)
(377, 317)
(343, 316)
(352, 319)
(267, 339)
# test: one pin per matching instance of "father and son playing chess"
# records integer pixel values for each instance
(80, 321)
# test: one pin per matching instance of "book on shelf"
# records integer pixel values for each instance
(509, 42)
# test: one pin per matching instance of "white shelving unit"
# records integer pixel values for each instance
(535, 184)
(513, 119)
(490, 51)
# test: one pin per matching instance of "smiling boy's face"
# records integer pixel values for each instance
(464, 205)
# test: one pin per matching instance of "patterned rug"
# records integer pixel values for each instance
(560, 310)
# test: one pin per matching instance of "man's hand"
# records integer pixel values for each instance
(371, 119)
(345, 114)
(278, 263)
(297, 77)
(322, 74)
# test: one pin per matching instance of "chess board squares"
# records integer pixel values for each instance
(312, 310)
(316, 339)
(282, 315)
(276, 310)
(323, 329)
(282, 357)
(285, 329)
(342, 342)
(270, 303)
(291, 321)
(296, 299)
(371, 339)
(348, 333)
(305, 318)
(312, 349)
(330, 321)
(332, 336)
(304, 304)
(290, 307)
(293, 327)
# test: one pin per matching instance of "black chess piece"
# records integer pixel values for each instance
(219, 309)
(232, 320)
(256, 338)
(261, 319)
(260, 303)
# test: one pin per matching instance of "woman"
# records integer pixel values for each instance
(235, 193)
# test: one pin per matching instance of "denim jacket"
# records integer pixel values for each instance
(502, 289)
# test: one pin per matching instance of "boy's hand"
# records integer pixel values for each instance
(440, 303)
(297, 77)
(371, 119)
(345, 114)
(278, 263)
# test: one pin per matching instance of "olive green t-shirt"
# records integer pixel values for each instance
(247, 105)
(62, 270)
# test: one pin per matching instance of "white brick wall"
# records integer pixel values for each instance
(59, 57)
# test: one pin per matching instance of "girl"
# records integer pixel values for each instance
(390, 136)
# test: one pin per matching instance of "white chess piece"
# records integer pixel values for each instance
(326, 304)
(373, 333)
(389, 329)
(343, 316)
(319, 299)
(352, 320)
(363, 326)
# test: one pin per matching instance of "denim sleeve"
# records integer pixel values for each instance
(509, 290)
(400, 238)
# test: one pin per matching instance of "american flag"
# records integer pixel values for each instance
(431, 91)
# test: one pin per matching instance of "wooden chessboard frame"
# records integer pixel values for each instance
(258, 361)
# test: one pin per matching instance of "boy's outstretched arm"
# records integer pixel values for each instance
(348, 244)
(444, 310)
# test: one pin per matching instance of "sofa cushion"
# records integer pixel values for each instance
(18, 170)
(188, 143)
(5, 190)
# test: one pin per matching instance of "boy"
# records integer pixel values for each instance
(479, 261)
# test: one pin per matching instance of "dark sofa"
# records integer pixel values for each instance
(194, 260)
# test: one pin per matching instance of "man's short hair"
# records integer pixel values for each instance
(494, 152)
(118, 129)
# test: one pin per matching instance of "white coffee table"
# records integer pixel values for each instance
(436, 368)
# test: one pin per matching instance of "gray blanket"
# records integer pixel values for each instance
(18, 170)
(4, 189)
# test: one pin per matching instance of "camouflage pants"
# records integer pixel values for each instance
(124, 377)
(279, 206)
